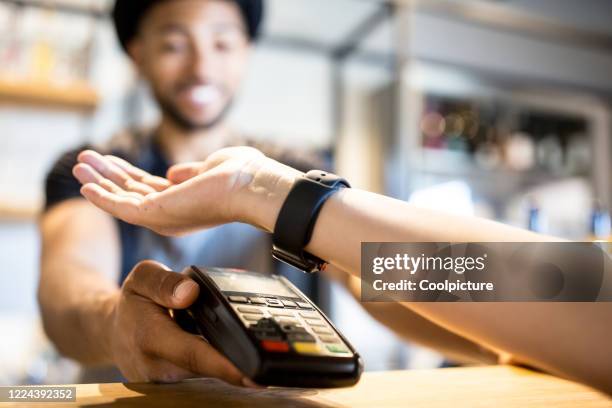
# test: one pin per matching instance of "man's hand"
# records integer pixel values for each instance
(233, 184)
(147, 345)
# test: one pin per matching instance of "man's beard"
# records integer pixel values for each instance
(171, 111)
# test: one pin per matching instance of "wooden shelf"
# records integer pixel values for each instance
(500, 183)
(11, 212)
(72, 6)
(78, 96)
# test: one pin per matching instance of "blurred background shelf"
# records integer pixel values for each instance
(497, 185)
(95, 8)
(18, 212)
(459, 164)
(78, 96)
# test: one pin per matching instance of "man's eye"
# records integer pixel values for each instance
(173, 47)
(227, 44)
(223, 46)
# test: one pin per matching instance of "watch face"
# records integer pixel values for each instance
(327, 179)
(305, 265)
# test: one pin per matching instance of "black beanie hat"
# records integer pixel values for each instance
(128, 13)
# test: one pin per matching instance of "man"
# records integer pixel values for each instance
(194, 55)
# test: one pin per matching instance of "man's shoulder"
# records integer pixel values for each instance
(60, 184)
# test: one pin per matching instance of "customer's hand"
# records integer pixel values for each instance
(146, 344)
(233, 184)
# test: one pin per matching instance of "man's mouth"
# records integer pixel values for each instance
(202, 95)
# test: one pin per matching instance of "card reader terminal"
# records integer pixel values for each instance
(272, 332)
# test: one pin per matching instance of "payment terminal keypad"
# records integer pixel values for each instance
(288, 326)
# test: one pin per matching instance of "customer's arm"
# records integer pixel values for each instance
(242, 185)
(568, 339)
(413, 327)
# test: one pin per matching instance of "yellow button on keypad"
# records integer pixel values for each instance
(307, 348)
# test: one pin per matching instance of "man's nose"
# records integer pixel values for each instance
(203, 63)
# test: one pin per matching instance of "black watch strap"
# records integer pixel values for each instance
(297, 217)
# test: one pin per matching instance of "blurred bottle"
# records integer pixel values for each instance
(601, 228)
(579, 154)
(432, 127)
(39, 33)
(519, 151)
(549, 153)
(455, 127)
(11, 49)
(537, 221)
(487, 156)
(74, 50)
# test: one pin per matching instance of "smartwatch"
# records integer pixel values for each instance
(297, 217)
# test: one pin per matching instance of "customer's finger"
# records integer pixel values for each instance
(113, 172)
(158, 183)
(87, 174)
(164, 287)
(182, 172)
(126, 208)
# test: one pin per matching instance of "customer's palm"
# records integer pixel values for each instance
(194, 195)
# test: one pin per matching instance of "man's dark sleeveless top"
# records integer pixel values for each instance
(233, 245)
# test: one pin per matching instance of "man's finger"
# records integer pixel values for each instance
(157, 183)
(164, 287)
(113, 172)
(190, 352)
(162, 371)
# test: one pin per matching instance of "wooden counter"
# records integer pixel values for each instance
(497, 386)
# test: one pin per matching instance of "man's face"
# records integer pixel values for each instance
(194, 54)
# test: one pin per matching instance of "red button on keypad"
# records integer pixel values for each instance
(275, 346)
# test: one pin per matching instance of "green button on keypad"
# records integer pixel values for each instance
(337, 348)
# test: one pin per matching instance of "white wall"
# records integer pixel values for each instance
(287, 98)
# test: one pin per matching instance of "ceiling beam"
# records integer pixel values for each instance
(362, 30)
(502, 17)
